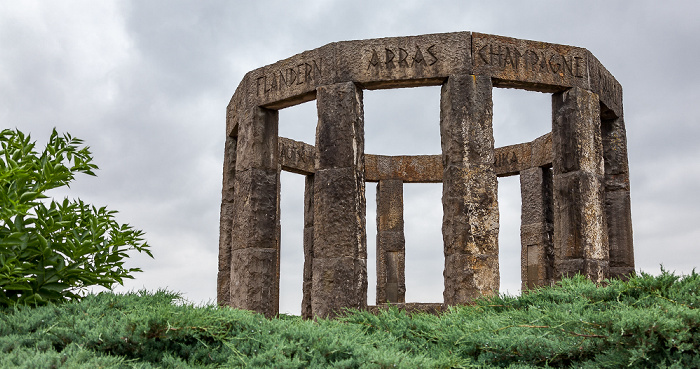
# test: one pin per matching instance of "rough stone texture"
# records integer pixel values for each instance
(306, 311)
(296, 156)
(391, 254)
(536, 228)
(223, 290)
(404, 61)
(530, 65)
(580, 227)
(606, 86)
(256, 214)
(253, 272)
(340, 241)
(338, 283)
(469, 196)
(409, 169)
(617, 198)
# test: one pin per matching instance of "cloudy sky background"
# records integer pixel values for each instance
(146, 84)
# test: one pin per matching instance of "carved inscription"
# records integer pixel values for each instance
(399, 57)
(505, 158)
(529, 60)
(298, 74)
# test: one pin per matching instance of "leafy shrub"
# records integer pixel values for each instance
(52, 252)
(647, 322)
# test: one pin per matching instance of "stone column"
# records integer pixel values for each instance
(391, 243)
(580, 229)
(536, 228)
(306, 311)
(469, 190)
(254, 235)
(223, 281)
(617, 198)
(340, 241)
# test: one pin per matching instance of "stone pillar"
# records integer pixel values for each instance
(254, 236)
(469, 189)
(223, 281)
(306, 311)
(391, 243)
(617, 198)
(340, 241)
(536, 228)
(580, 229)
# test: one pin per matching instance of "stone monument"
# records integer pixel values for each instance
(574, 180)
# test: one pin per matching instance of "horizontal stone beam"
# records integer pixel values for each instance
(426, 60)
(298, 157)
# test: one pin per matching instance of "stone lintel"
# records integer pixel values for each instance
(529, 65)
(608, 89)
(404, 61)
(409, 169)
(296, 156)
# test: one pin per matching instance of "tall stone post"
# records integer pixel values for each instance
(223, 281)
(580, 229)
(536, 228)
(469, 192)
(306, 311)
(340, 242)
(254, 237)
(391, 243)
(617, 198)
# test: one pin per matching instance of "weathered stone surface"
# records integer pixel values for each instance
(536, 229)
(580, 228)
(576, 135)
(470, 276)
(338, 213)
(291, 81)
(306, 311)
(466, 114)
(255, 210)
(595, 270)
(469, 196)
(390, 205)
(409, 169)
(254, 280)
(338, 283)
(257, 140)
(617, 209)
(223, 279)
(542, 155)
(229, 169)
(391, 285)
(296, 156)
(404, 61)
(606, 87)
(340, 130)
(530, 65)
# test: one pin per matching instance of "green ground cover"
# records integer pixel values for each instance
(643, 323)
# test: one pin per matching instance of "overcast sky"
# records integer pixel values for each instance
(146, 84)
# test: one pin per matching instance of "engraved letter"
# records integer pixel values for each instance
(577, 67)
(307, 72)
(373, 60)
(554, 66)
(482, 55)
(568, 66)
(389, 59)
(300, 73)
(402, 57)
(418, 58)
(433, 55)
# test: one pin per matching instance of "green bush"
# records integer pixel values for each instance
(49, 250)
(647, 322)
